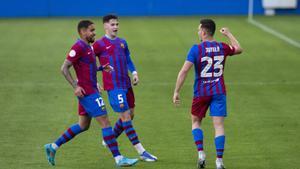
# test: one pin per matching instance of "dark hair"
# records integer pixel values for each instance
(209, 25)
(84, 24)
(106, 18)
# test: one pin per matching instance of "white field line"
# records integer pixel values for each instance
(228, 83)
(273, 32)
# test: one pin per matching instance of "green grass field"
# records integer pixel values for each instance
(37, 104)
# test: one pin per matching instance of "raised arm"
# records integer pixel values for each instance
(233, 41)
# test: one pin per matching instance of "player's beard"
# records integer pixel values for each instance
(91, 39)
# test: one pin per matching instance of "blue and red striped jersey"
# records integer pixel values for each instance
(209, 62)
(83, 59)
(116, 53)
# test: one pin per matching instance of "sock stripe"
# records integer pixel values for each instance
(199, 142)
(132, 132)
(110, 137)
(118, 126)
(66, 137)
(114, 144)
(71, 132)
(133, 138)
(127, 127)
(220, 150)
(200, 149)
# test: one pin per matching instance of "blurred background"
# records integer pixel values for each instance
(53, 8)
(263, 86)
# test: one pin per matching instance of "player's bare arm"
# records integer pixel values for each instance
(65, 69)
(233, 41)
(180, 80)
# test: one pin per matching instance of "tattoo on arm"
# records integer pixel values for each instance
(65, 69)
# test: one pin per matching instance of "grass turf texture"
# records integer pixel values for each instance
(37, 104)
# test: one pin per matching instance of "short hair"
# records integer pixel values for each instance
(209, 25)
(106, 18)
(83, 24)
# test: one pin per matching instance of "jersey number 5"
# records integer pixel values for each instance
(218, 66)
(120, 98)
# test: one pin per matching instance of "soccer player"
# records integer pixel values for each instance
(208, 59)
(82, 58)
(114, 51)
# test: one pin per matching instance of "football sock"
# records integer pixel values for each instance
(220, 143)
(69, 134)
(118, 129)
(109, 138)
(130, 132)
(198, 138)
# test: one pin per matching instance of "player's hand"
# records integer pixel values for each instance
(100, 88)
(176, 99)
(135, 79)
(225, 31)
(108, 68)
(79, 91)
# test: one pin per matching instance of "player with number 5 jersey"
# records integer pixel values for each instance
(208, 59)
(114, 51)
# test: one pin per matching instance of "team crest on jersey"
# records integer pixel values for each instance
(121, 106)
(122, 45)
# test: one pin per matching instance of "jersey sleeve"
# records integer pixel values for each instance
(74, 54)
(192, 55)
(130, 64)
(228, 49)
(97, 48)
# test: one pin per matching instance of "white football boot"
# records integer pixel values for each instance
(219, 163)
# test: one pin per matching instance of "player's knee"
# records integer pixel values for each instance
(126, 116)
(84, 127)
(105, 124)
(104, 121)
(219, 126)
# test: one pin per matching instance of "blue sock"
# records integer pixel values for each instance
(220, 144)
(198, 138)
(118, 129)
(110, 140)
(69, 134)
(130, 132)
